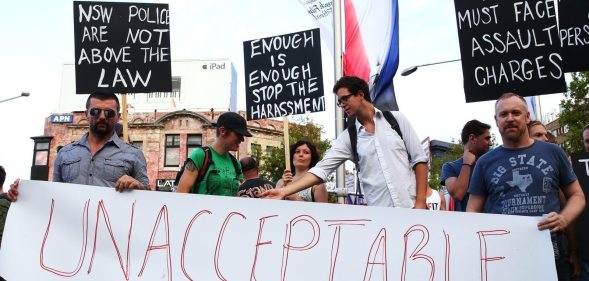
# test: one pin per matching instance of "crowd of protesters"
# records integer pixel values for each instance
(391, 165)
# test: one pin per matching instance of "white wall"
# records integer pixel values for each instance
(201, 88)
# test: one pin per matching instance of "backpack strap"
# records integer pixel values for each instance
(235, 165)
(393, 122)
(353, 133)
(354, 142)
(395, 126)
(208, 162)
(205, 165)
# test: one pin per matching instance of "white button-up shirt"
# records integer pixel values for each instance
(386, 174)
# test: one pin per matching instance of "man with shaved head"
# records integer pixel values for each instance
(524, 176)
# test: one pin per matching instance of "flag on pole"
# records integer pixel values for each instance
(531, 101)
(371, 49)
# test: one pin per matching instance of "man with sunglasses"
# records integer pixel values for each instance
(99, 158)
(393, 169)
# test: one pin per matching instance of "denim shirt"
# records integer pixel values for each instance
(75, 164)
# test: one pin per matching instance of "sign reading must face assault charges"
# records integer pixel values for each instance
(509, 46)
(283, 75)
(122, 47)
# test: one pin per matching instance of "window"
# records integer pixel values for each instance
(174, 94)
(172, 152)
(192, 142)
(270, 150)
(41, 153)
(138, 144)
(256, 150)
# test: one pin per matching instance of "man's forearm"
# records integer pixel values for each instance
(574, 206)
(421, 183)
(306, 181)
(460, 186)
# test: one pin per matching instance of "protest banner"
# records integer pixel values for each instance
(122, 47)
(580, 163)
(509, 46)
(574, 34)
(283, 75)
(59, 231)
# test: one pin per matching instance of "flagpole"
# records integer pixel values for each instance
(338, 67)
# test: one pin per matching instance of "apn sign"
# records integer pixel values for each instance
(62, 118)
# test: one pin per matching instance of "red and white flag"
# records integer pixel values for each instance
(371, 44)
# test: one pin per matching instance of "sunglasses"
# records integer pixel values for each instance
(108, 113)
(344, 99)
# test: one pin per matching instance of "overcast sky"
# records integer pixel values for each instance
(38, 39)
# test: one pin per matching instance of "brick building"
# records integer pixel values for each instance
(203, 88)
(166, 139)
(558, 131)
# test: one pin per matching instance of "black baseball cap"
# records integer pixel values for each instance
(234, 122)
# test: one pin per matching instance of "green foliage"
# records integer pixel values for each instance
(575, 111)
(331, 197)
(456, 151)
(273, 163)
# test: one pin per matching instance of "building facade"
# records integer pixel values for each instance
(166, 126)
(197, 85)
(165, 138)
(558, 131)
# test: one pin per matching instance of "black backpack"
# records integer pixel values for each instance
(354, 141)
(208, 161)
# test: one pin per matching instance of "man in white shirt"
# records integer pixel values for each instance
(393, 169)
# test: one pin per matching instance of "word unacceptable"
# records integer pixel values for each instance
(301, 235)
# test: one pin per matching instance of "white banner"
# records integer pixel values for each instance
(73, 232)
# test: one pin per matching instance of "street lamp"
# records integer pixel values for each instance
(412, 69)
(23, 94)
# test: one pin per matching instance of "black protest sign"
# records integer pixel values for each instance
(580, 163)
(122, 47)
(283, 75)
(574, 34)
(509, 46)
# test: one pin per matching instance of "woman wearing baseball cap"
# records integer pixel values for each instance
(223, 174)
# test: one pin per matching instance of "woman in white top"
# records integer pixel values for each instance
(303, 156)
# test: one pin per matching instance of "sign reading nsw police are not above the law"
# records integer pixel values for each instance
(283, 75)
(122, 47)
